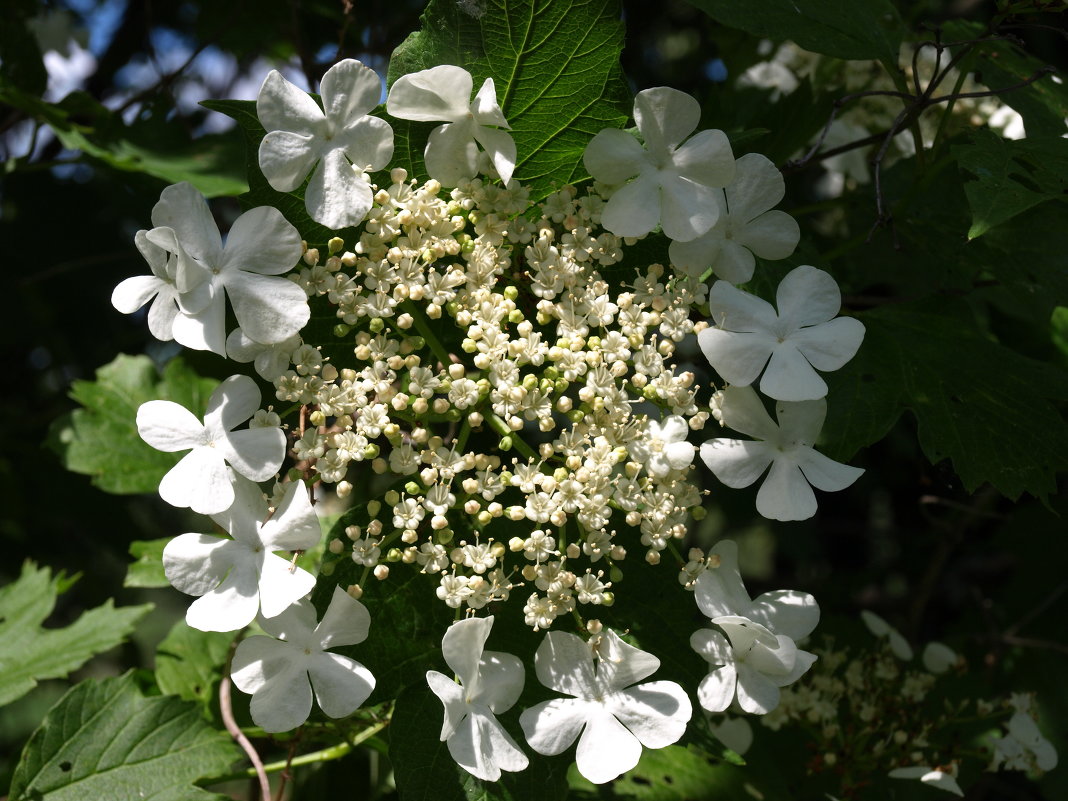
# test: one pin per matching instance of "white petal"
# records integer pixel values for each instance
(500, 147)
(935, 778)
(368, 142)
(483, 748)
(256, 659)
(756, 694)
(614, 156)
(772, 235)
(162, 313)
(807, 296)
(621, 664)
(789, 376)
(679, 455)
(243, 516)
(452, 698)
(899, 646)
(346, 621)
(736, 462)
(439, 93)
(802, 662)
(451, 153)
(687, 208)
(341, 684)
(133, 293)
(775, 663)
(282, 584)
(665, 117)
(800, 423)
(501, 678)
(736, 310)
(168, 426)
(158, 257)
(697, 255)
(655, 712)
(716, 690)
(200, 481)
(286, 158)
(284, 702)
(184, 209)
(938, 657)
(830, 345)
(462, 647)
(233, 402)
(785, 495)
(719, 590)
(706, 159)
(743, 411)
(485, 106)
(188, 273)
(349, 89)
(734, 263)
(550, 727)
(634, 210)
(874, 623)
(281, 106)
(295, 625)
(262, 241)
(826, 474)
(269, 309)
(197, 563)
(788, 612)
(230, 606)
(606, 749)
(757, 187)
(738, 358)
(294, 525)
(712, 647)
(563, 662)
(336, 196)
(205, 329)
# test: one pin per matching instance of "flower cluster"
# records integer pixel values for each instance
(519, 379)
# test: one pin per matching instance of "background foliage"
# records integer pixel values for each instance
(954, 406)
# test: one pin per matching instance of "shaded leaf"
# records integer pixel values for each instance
(101, 439)
(189, 662)
(147, 570)
(105, 740)
(29, 653)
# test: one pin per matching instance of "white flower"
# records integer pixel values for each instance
(899, 646)
(344, 142)
(754, 664)
(787, 448)
(938, 657)
(800, 337)
(664, 447)
(444, 93)
(933, 777)
(239, 576)
(281, 673)
(760, 655)
(745, 228)
(611, 719)
(260, 247)
(200, 480)
(490, 683)
(1023, 747)
(133, 293)
(270, 361)
(676, 184)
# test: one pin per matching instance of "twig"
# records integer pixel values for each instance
(227, 712)
(1038, 610)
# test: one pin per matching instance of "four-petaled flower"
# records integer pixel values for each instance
(664, 448)
(200, 480)
(748, 226)
(490, 683)
(787, 448)
(345, 142)
(800, 337)
(238, 577)
(675, 184)
(443, 93)
(611, 718)
(282, 673)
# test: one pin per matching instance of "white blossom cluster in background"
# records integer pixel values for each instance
(518, 377)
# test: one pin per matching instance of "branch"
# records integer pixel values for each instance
(227, 712)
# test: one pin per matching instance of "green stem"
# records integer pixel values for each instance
(501, 427)
(965, 66)
(325, 755)
(909, 103)
(427, 333)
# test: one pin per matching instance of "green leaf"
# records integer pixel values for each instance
(147, 570)
(29, 653)
(986, 408)
(425, 771)
(101, 439)
(555, 66)
(675, 772)
(854, 29)
(189, 662)
(105, 740)
(1010, 176)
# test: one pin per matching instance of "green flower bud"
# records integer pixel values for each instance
(341, 330)
(376, 325)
